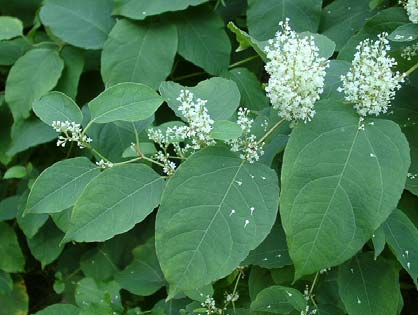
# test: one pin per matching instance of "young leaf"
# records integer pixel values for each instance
(215, 210)
(10, 27)
(56, 106)
(12, 257)
(128, 193)
(402, 236)
(142, 53)
(16, 171)
(11, 50)
(245, 41)
(368, 286)
(59, 186)
(203, 40)
(124, 101)
(222, 96)
(341, 179)
(139, 10)
(278, 300)
(143, 276)
(38, 69)
(80, 23)
(304, 16)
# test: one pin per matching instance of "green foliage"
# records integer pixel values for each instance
(143, 144)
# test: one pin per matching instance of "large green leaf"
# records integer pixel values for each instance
(6, 283)
(142, 53)
(38, 69)
(12, 257)
(59, 309)
(125, 101)
(10, 27)
(304, 16)
(411, 133)
(215, 209)
(278, 300)
(222, 96)
(80, 23)
(45, 245)
(29, 133)
(402, 236)
(73, 67)
(203, 40)
(139, 10)
(89, 292)
(368, 286)
(56, 106)
(11, 50)
(59, 186)
(343, 18)
(143, 276)
(114, 202)
(341, 180)
(16, 302)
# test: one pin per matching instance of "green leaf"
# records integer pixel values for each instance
(199, 238)
(10, 27)
(12, 257)
(38, 69)
(253, 96)
(29, 133)
(245, 41)
(340, 183)
(304, 16)
(73, 67)
(143, 276)
(56, 106)
(6, 283)
(15, 302)
(278, 300)
(124, 101)
(139, 10)
(343, 18)
(225, 130)
(411, 133)
(222, 96)
(59, 186)
(90, 292)
(203, 40)
(402, 236)
(80, 23)
(16, 171)
(142, 53)
(29, 223)
(128, 192)
(45, 245)
(405, 33)
(333, 79)
(368, 286)
(379, 241)
(11, 50)
(325, 45)
(272, 252)
(61, 309)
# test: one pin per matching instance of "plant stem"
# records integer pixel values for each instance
(412, 69)
(187, 76)
(273, 129)
(314, 283)
(238, 63)
(127, 162)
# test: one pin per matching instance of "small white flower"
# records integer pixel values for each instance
(370, 83)
(72, 132)
(104, 164)
(411, 7)
(410, 52)
(297, 74)
(169, 166)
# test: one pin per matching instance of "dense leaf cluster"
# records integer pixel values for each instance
(145, 170)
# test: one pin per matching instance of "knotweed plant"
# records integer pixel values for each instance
(152, 153)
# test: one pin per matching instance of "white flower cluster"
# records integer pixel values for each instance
(247, 144)
(231, 297)
(104, 164)
(308, 309)
(370, 83)
(297, 74)
(72, 133)
(210, 306)
(410, 52)
(411, 7)
(169, 166)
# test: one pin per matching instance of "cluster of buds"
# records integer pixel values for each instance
(72, 132)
